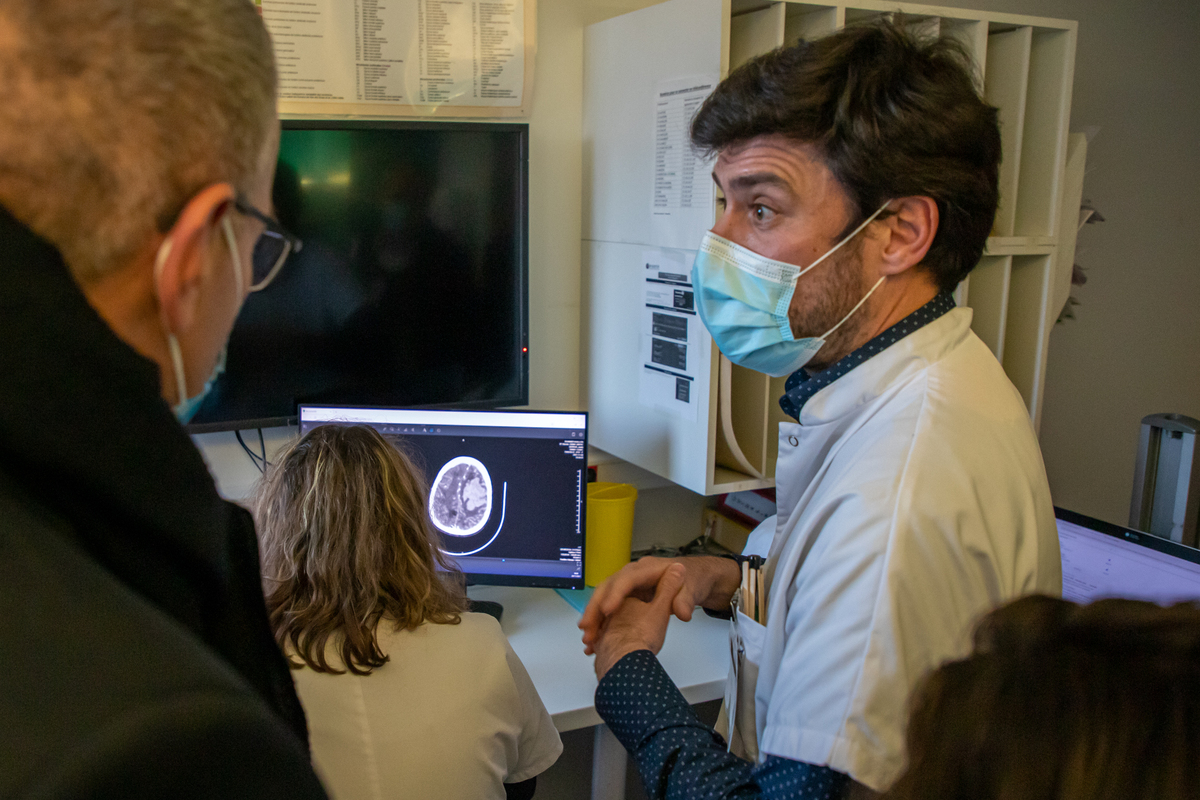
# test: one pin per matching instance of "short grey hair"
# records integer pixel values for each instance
(114, 113)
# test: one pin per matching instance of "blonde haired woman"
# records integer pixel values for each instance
(406, 693)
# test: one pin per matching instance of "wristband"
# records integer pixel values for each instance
(750, 594)
(753, 562)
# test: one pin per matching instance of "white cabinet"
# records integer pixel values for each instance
(1026, 68)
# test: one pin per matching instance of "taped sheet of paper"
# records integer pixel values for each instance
(420, 55)
(670, 334)
(681, 205)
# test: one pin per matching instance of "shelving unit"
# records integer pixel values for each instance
(1025, 66)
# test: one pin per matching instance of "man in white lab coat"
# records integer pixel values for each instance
(859, 175)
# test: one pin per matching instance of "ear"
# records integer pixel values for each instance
(183, 264)
(910, 229)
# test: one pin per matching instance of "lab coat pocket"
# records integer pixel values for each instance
(737, 719)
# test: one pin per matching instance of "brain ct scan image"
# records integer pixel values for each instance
(460, 501)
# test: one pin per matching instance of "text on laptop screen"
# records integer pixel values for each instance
(1097, 564)
(506, 487)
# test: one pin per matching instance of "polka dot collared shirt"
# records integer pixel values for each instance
(801, 385)
(680, 757)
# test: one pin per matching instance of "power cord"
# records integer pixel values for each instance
(702, 545)
(258, 459)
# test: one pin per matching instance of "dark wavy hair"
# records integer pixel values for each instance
(346, 542)
(1063, 702)
(891, 114)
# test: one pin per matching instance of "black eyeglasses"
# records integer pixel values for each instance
(272, 248)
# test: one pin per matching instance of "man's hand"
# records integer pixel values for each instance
(706, 580)
(638, 625)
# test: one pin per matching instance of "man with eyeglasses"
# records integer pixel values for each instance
(138, 140)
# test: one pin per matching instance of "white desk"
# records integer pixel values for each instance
(541, 627)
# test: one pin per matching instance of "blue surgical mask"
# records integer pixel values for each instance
(743, 300)
(187, 407)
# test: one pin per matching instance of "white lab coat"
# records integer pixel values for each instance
(912, 498)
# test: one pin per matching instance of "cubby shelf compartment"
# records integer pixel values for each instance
(1024, 65)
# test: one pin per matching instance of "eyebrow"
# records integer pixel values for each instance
(753, 179)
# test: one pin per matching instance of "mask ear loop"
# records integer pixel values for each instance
(849, 236)
(176, 353)
(231, 240)
(853, 233)
(164, 251)
(830, 332)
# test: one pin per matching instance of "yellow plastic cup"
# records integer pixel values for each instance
(609, 529)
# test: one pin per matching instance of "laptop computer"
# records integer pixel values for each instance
(507, 488)
(1104, 560)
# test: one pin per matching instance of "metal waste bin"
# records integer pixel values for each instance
(1166, 481)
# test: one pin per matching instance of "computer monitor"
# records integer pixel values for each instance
(411, 288)
(507, 488)
(1103, 560)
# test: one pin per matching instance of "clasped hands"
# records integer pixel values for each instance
(631, 609)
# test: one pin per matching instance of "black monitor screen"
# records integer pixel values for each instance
(410, 287)
(507, 488)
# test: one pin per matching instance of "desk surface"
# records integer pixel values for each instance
(541, 627)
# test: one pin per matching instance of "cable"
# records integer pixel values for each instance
(260, 461)
(262, 445)
(249, 452)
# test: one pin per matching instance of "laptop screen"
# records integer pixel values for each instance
(1103, 560)
(507, 488)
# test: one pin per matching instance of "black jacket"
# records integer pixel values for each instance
(135, 654)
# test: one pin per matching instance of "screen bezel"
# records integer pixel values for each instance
(520, 128)
(488, 579)
(1132, 535)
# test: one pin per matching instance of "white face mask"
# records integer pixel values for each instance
(743, 299)
(187, 407)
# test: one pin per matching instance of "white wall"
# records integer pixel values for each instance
(1134, 348)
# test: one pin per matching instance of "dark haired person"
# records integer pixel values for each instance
(859, 177)
(1063, 702)
(137, 144)
(407, 693)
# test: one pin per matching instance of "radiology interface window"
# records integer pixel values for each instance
(506, 489)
